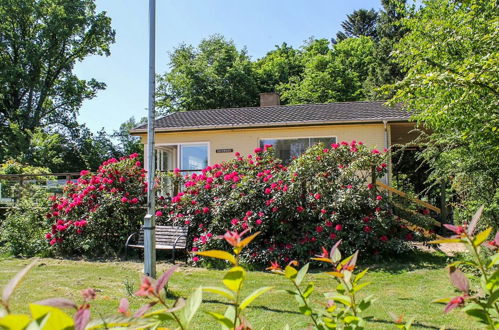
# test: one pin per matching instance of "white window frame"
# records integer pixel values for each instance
(298, 137)
(179, 144)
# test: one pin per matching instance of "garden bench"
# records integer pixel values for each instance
(167, 238)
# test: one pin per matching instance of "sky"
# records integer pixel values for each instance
(258, 25)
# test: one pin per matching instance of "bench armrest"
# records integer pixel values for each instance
(176, 240)
(129, 238)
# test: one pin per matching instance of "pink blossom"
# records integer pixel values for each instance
(375, 151)
(159, 213)
(299, 209)
(338, 227)
(206, 210)
(258, 150)
(195, 259)
(319, 229)
(258, 221)
(379, 197)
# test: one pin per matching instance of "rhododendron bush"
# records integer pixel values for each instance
(95, 215)
(322, 196)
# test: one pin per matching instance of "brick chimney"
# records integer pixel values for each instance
(269, 99)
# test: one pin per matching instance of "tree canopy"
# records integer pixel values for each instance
(361, 22)
(214, 74)
(451, 56)
(40, 42)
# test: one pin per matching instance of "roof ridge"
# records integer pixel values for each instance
(273, 106)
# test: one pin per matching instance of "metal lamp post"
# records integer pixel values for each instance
(149, 220)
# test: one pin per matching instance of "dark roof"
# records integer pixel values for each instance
(283, 115)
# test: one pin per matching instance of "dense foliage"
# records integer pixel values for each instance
(451, 56)
(323, 195)
(23, 229)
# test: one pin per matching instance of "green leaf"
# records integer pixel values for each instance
(234, 278)
(363, 305)
(290, 272)
(360, 275)
(192, 305)
(479, 314)
(441, 301)
(219, 254)
(230, 313)
(360, 286)
(494, 260)
(221, 291)
(493, 298)
(222, 320)
(481, 237)
(305, 310)
(301, 274)
(345, 300)
(447, 240)
(57, 319)
(308, 290)
(14, 321)
(249, 299)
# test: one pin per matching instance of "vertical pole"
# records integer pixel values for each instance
(149, 220)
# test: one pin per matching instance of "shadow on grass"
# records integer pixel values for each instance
(415, 324)
(261, 307)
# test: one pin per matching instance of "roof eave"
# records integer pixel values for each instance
(262, 125)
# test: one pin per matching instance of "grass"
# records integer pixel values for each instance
(400, 287)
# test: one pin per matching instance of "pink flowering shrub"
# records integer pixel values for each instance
(324, 195)
(95, 215)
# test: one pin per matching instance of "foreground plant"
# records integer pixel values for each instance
(49, 314)
(343, 307)
(481, 304)
(233, 281)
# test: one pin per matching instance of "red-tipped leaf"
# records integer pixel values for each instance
(142, 310)
(459, 280)
(163, 279)
(474, 220)
(57, 302)
(14, 282)
(82, 317)
(124, 306)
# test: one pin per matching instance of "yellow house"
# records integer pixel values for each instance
(192, 140)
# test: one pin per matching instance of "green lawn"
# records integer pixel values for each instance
(403, 288)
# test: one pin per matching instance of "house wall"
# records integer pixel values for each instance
(246, 140)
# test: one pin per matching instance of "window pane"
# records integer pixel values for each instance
(326, 140)
(287, 149)
(193, 156)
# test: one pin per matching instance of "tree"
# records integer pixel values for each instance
(126, 143)
(451, 56)
(40, 42)
(332, 74)
(215, 74)
(361, 22)
(277, 67)
(389, 30)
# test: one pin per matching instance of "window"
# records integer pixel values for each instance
(287, 149)
(193, 156)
